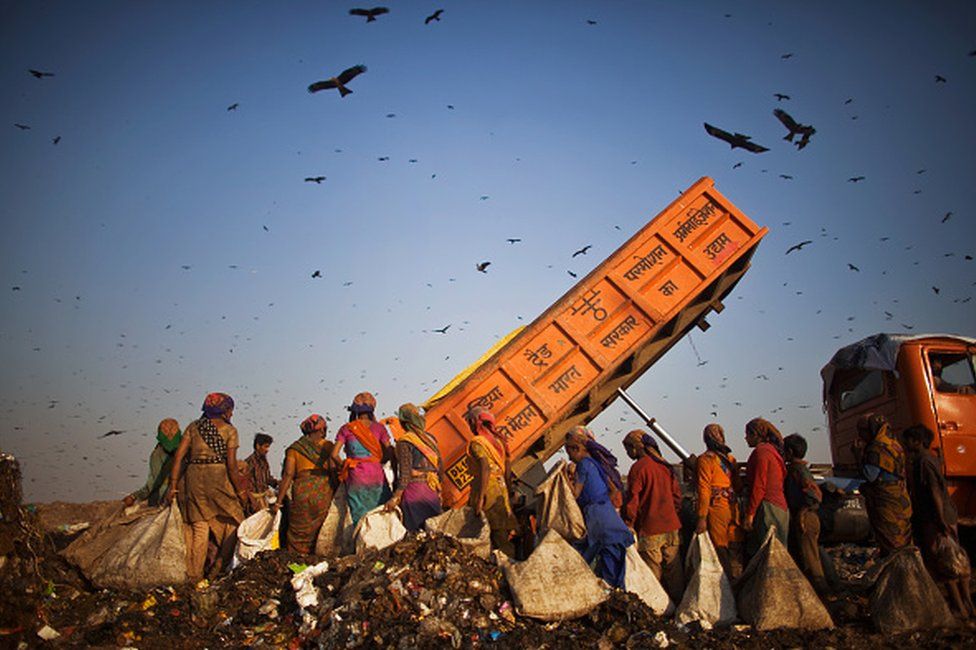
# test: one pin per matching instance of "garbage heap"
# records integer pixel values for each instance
(429, 591)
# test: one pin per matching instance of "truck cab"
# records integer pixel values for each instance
(927, 379)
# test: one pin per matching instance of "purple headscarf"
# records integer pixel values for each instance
(604, 459)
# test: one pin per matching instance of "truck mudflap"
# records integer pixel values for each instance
(565, 367)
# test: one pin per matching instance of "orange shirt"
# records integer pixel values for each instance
(711, 474)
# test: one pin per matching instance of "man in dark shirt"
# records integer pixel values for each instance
(259, 473)
(803, 497)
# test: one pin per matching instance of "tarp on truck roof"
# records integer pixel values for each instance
(878, 352)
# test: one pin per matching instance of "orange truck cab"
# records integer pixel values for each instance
(927, 379)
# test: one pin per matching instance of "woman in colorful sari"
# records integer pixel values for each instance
(366, 443)
(766, 505)
(213, 504)
(489, 464)
(310, 474)
(718, 508)
(418, 492)
(882, 461)
(607, 536)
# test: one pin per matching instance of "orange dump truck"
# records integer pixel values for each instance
(928, 379)
(564, 368)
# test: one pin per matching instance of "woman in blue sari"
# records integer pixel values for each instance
(607, 536)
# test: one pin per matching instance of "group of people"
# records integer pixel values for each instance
(906, 498)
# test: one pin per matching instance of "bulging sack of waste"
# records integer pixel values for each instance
(379, 529)
(708, 598)
(558, 510)
(257, 533)
(774, 593)
(467, 527)
(555, 583)
(335, 535)
(137, 548)
(905, 597)
(640, 580)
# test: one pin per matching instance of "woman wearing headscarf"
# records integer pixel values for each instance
(489, 464)
(765, 475)
(717, 486)
(607, 536)
(214, 500)
(418, 492)
(882, 461)
(310, 474)
(651, 505)
(366, 443)
(168, 437)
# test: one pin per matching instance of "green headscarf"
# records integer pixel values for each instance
(168, 443)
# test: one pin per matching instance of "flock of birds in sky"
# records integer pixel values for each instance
(798, 134)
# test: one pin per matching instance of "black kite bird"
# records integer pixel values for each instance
(434, 16)
(739, 140)
(339, 82)
(370, 14)
(795, 128)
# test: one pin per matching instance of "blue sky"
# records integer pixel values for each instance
(569, 129)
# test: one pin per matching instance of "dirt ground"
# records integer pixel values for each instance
(424, 592)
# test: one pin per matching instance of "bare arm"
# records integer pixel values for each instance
(287, 476)
(174, 473)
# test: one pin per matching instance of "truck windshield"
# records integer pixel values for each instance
(856, 389)
(953, 372)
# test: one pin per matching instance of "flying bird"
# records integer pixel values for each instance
(973, 53)
(571, 274)
(513, 240)
(795, 128)
(434, 16)
(946, 217)
(482, 266)
(339, 81)
(788, 55)
(780, 96)
(853, 268)
(315, 179)
(855, 179)
(56, 139)
(737, 165)
(483, 197)
(739, 140)
(442, 330)
(786, 177)
(939, 79)
(583, 250)
(798, 247)
(113, 432)
(370, 14)
(38, 74)
(936, 290)
(317, 274)
(22, 127)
